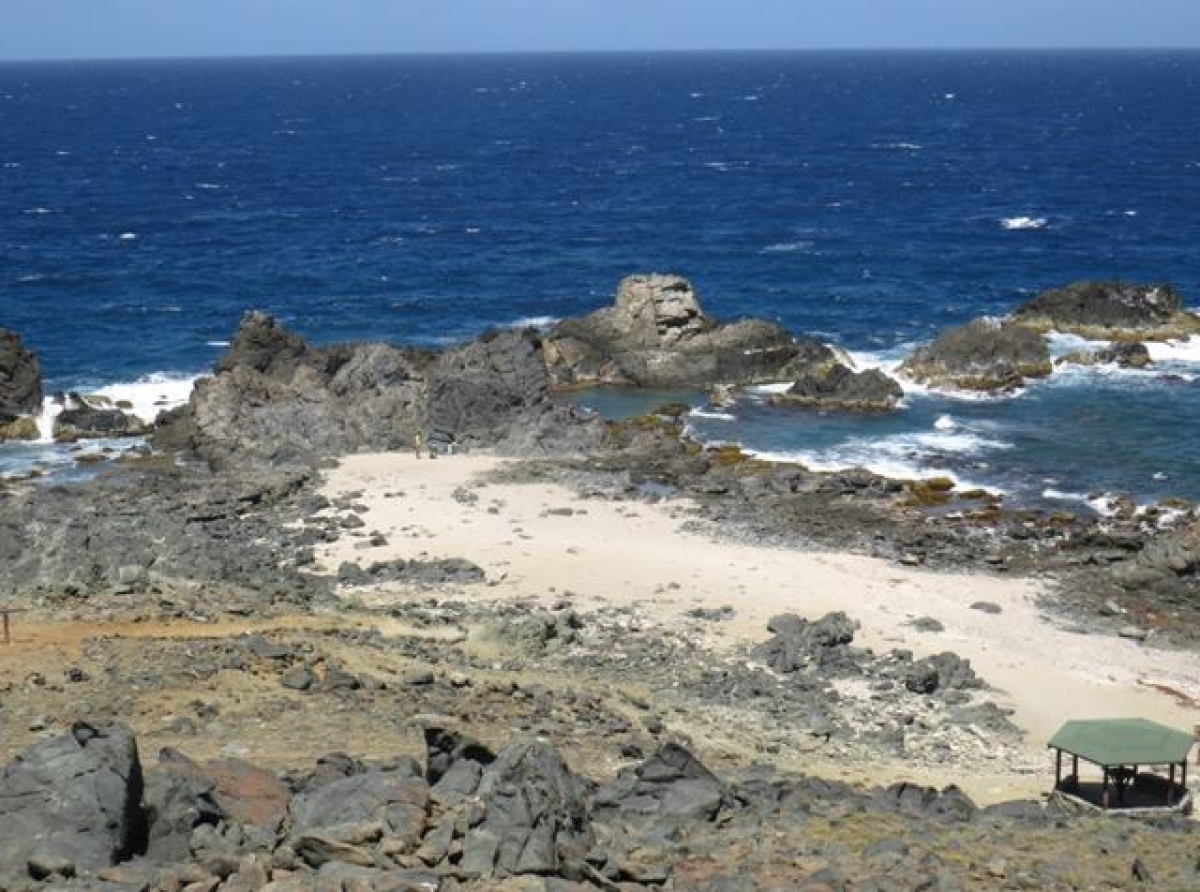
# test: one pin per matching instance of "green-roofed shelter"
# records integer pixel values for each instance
(1121, 747)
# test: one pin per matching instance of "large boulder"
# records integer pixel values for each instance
(87, 418)
(522, 811)
(670, 790)
(983, 355)
(832, 384)
(656, 335)
(394, 801)
(798, 645)
(20, 388)
(243, 792)
(1116, 310)
(75, 798)
(535, 815)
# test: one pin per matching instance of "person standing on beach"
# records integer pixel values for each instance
(417, 443)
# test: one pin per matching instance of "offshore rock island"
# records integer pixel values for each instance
(272, 648)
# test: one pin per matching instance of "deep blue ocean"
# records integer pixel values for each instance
(867, 198)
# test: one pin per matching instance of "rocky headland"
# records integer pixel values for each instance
(567, 653)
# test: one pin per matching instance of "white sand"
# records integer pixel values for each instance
(633, 553)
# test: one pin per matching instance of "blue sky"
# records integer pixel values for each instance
(137, 28)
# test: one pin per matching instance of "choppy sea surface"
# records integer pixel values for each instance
(865, 198)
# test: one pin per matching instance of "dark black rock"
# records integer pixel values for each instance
(175, 805)
(452, 759)
(834, 385)
(263, 346)
(1095, 307)
(76, 797)
(981, 355)
(446, 571)
(799, 644)
(536, 812)
(940, 672)
(298, 678)
(85, 418)
(396, 800)
(670, 789)
(950, 804)
(477, 391)
(20, 378)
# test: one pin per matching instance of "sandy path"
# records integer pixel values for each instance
(542, 541)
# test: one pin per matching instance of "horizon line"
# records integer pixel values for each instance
(680, 51)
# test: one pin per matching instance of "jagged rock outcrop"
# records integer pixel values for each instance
(72, 802)
(1110, 310)
(983, 355)
(20, 388)
(522, 820)
(656, 335)
(277, 399)
(1126, 354)
(832, 384)
(90, 417)
(798, 644)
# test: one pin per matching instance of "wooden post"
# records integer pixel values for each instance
(1057, 769)
(1171, 785)
(7, 638)
(1075, 769)
(1104, 794)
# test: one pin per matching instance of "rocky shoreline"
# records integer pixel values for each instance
(202, 556)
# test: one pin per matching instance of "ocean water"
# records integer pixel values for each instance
(866, 198)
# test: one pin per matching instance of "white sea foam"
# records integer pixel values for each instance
(127, 237)
(889, 361)
(1061, 344)
(150, 394)
(788, 247)
(861, 455)
(710, 415)
(541, 322)
(216, 343)
(898, 146)
(45, 420)
(39, 211)
(945, 423)
(1019, 223)
(769, 389)
(1187, 351)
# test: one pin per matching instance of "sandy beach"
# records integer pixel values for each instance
(544, 543)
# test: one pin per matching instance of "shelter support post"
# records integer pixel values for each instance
(1057, 769)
